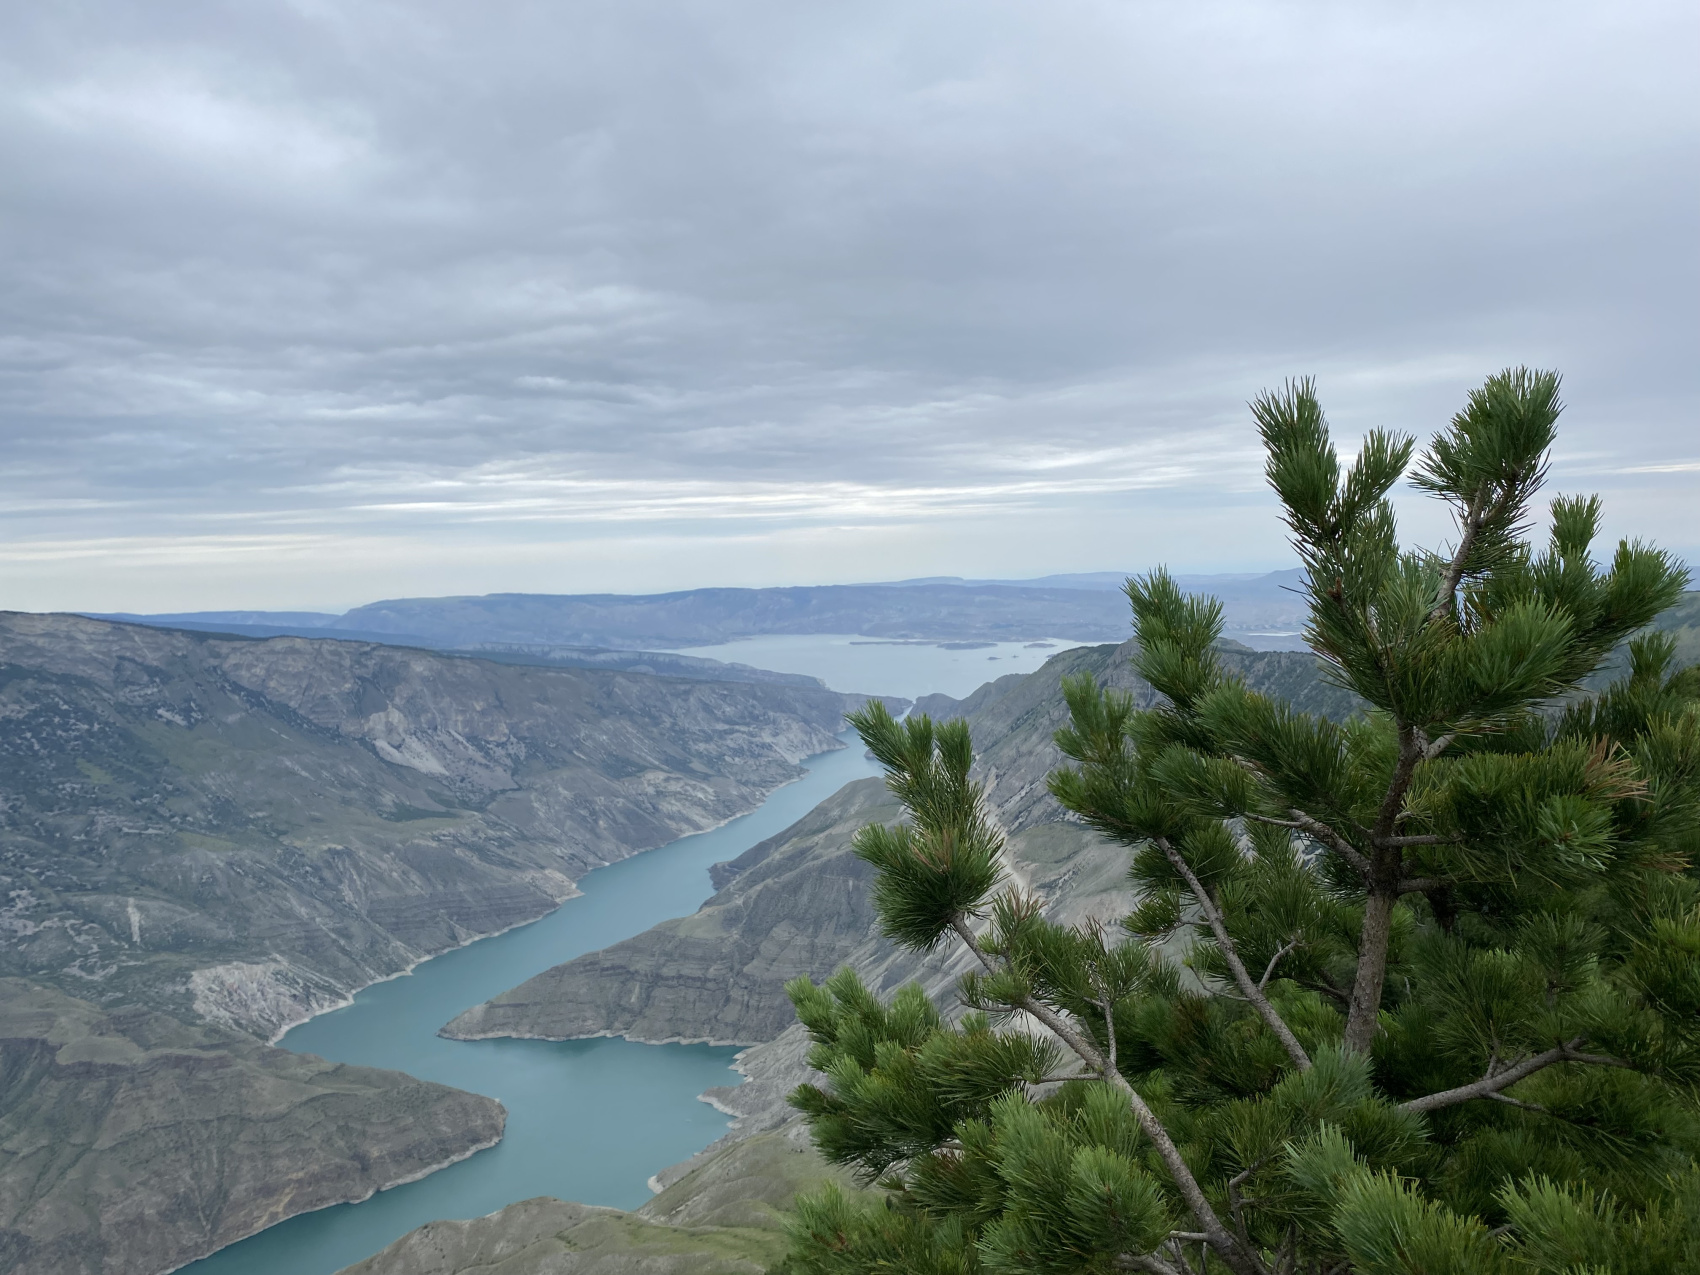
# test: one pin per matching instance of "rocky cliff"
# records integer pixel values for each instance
(132, 1143)
(799, 903)
(795, 904)
(245, 831)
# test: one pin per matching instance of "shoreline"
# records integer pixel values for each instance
(348, 999)
(334, 1204)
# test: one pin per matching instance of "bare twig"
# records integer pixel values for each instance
(1320, 831)
(1226, 1246)
(1439, 745)
(1517, 1102)
(1230, 953)
(1236, 1202)
(1598, 1060)
(1469, 527)
(1489, 1086)
(1110, 1033)
(1273, 961)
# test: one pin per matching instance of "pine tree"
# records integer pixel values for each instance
(1440, 1005)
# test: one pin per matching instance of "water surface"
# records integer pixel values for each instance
(884, 666)
(588, 1120)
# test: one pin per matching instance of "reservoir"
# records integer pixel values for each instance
(588, 1120)
(886, 666)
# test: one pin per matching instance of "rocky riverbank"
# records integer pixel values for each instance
(132, 1143)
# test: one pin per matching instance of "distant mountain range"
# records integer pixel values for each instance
(587, 629)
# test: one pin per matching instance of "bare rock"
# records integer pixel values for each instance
(132, 1143)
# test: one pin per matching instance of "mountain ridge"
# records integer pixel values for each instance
(247, 831)
(1076, 607)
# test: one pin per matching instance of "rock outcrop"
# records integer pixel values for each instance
(800, 904)
(132, 1143)
(797, 903)
(246, 831)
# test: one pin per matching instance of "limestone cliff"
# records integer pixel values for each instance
(132, 1143)
(246, 831)
(800, 903)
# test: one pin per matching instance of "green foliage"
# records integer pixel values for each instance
(1436, 1006)
(945, 860)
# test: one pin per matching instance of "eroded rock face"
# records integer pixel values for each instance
(800, 903)
(801, 906)
(132, 1143)
(248, 831)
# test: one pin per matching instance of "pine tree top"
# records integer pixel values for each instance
(1440, 1010)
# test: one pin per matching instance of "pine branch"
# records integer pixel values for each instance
(1319, 831)
(1469, 527)
(1273, 961)
(1383, 883)
(1517, 1102)
(1253, 992)
(1412, 747)
(1489, 1086)
(1237, 1259)
(1148, 1262)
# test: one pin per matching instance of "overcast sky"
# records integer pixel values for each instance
(308, 304)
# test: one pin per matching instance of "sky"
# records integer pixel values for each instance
(308, 304)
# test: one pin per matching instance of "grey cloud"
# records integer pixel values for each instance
(380, 274)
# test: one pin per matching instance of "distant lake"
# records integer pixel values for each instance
(885, 666)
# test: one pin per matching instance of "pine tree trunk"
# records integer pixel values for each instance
(1372, 971)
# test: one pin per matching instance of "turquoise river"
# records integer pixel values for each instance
(588, 1120)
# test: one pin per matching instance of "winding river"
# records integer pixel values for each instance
(588, 1120)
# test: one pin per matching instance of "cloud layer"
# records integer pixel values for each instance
(306, 304)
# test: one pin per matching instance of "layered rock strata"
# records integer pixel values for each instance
(132, 1143)
(246, 831)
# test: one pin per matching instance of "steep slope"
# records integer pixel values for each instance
(131, 1143)
(799, 903)
(246, 831)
